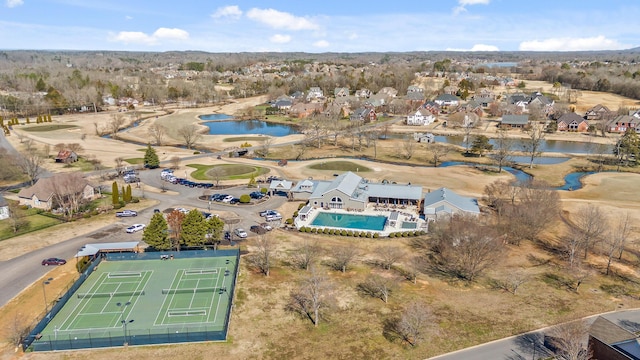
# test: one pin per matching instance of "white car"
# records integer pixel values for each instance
(227, 199)
(240, 233)
(273, 217)
(135, 228)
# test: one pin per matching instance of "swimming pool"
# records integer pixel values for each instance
(349, 221)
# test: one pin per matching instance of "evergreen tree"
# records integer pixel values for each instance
(481, 145)
(127, 194)
(151, 160)
(49, 117)
(252, 181)
(194, 229)
(215, 227)
(123, 193)
(156, 234)
(28, 121)
(115, 196)
(40, 85)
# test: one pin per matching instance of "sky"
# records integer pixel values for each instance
(319, 26)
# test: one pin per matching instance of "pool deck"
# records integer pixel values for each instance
(405, 214)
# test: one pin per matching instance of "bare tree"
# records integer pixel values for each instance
(68, 191)
(31, 165)
(533, 143)
(591, 224)
(513, 281)
(465, 248)
(613, 243)
(572, 244)
(18, 330)
(17, 220)
(217, 173)
(537, 206)
(266, 145)
(408, 147)
(175, 162)
(157, 132)
(378, 287)
(343, 256)
(262, 257)
(307, 253)
(175, 220)
(414, 265)
(415, 323)
(300, 149)
(190, 135)
(389, 255)
(75, 147)
(314, 295)
(116, 122)
(438, 152)
(570, 340)
(119, 162)
(503, 149)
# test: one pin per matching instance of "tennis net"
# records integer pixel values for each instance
(189, 291)
(111, 294)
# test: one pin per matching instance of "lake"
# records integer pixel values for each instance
(221, 126)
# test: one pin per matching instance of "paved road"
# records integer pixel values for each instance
(521, 347)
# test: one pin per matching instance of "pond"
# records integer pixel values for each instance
(552, 146)
(221, 126)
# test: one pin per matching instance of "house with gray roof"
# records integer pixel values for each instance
(303, 189)
(42, 195)
(608, 340)
(447, 100)
(4, 208)
(514, 121)
(350, 191)
(444, 202)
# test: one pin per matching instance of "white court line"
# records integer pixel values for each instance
(155, 322)
(75, 313)
(215, 317)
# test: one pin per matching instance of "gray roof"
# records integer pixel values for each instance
(463, 203)
(92, 249)
(608, 332)
(447, 97)
(305, 183)
(346, 183)
(515, 119)
(281, 184)
(395, 191)
(3, 202)
(305, 210)
(570, 117)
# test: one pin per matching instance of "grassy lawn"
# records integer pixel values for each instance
(48, 127)
(245, 138)
(134, 161)
(82, 164)
(339, 166)
(34, 222)
(227, 171)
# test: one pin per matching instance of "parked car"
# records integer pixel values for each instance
(227, 199)
(268, 212)
(240, 233)
(235, 200)
(256, 195)
(273, 217)
(53, 261)
(135, 228)
(258, 229)
(126, 213)
(266, 226)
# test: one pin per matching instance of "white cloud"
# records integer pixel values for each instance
(128, 17)
(138, 37)
(572, 44)
(352, 36)
(231, 11)
(14, 3)
(321, 44)
(281, 20)
(280, 39)
(477, 47)
(173, 34)
(463, 3)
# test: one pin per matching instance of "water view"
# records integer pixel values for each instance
(246, 127)
(349, 221)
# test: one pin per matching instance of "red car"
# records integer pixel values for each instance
(53, 261)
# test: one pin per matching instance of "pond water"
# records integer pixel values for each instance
(223, 126)
(553, 146)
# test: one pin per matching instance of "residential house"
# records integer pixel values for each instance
(598, 112)
(447, 100)
(298, 95)
(363, 93)
(340, 92)
(610, 341)
(108, 100)
(337, 108)
(445, 202)
(572, 122)
(350, 191)
(414, 89)
(66, 156)
(364, 114)
(432, 106)
(314, 93)
(42, 194)
(514, 121)
(388, 92)
(4, 208)
(484, 97)
(283, 104)
(427, 138)
(471, 107)
(451, 89)
(421, 116)
(621, 123)
(303, 110)
(414, 97)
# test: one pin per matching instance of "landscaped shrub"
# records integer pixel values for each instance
(295, 214)
(301, 229)
(135, 200)
(196, 152)
(245, 198)
(264, 190)
(343, 232)
(289, 221)
(301, 206)
(314, 230)
(376, 235)
(392, 235)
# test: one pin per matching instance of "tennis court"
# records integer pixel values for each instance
(146, 301)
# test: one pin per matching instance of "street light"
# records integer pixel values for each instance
(44, 294)
(124, 321)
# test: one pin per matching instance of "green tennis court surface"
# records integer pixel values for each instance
(149, 299)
